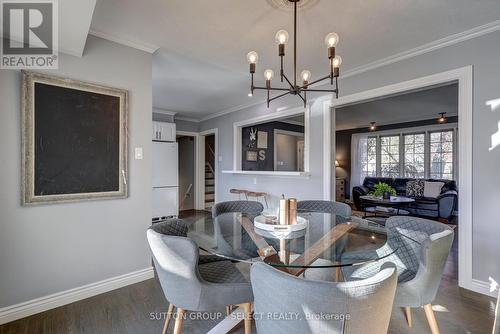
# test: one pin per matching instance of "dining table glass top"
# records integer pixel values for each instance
(327, 241)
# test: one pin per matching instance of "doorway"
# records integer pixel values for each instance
(188, 148)
(208, 169)
(463, 76)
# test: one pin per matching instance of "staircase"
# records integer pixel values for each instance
(209, 186)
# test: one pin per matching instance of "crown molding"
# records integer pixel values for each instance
(164, 111)
(426, 48)
(149, 48)
(420, 50)
(231, 110)
(187, 119)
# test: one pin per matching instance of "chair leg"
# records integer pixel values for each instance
(247, 309)
(431, 319)
(179, 321)
(168, 318)
(408, 316)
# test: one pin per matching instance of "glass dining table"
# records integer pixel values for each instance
(328, 241)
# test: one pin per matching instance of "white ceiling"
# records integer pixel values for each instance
(414, 106)
(201, 67)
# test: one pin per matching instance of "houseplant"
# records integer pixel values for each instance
(383, 190)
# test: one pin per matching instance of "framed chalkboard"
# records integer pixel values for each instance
(74, 140)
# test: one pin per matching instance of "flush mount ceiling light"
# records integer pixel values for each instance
(288, 5)
(373, 126)
(293, 88)
(442, 118)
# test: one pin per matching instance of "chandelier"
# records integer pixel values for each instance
(294, 88)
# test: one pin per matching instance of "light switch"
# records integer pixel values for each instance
(138, 153)
(254, 180)
(220, 158)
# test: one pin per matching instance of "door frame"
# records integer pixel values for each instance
(290, 133)
(201, 166)
(196, 137)
(464, 77)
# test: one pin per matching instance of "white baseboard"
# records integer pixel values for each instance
(482, 288)
(25, 309)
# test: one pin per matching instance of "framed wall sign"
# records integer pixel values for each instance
(251, 155)
(262, 139)
(74, 140)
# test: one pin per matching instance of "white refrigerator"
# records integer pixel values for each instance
(165, 180)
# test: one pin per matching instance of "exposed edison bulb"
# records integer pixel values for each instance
(305, 75)
(268, 74)
(252, 57)
(337, 61)
(282, 37)
(332, 39)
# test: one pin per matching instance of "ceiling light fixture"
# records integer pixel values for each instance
(442, 118)
(282, 37)
(372, 126)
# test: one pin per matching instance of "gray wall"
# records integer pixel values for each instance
(482, 53)
(187, 126)
(302, 188)
(186, 170)
(52, 248)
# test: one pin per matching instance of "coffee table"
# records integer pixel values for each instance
(395, 205)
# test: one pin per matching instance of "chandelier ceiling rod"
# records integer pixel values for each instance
(295, 43)
(282, 38)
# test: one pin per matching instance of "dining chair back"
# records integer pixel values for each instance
(422, 248)
(252, 207)
(190, 286)
(335, 208)
(287, 304)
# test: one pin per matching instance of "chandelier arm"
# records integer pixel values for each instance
(336, 87)
(300, 95)
(282, 73)
(278, 96)
(291, 86)
(272, 88)
(315, 81)
(320, 90)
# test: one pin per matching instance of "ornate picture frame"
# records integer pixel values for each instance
(76, 148)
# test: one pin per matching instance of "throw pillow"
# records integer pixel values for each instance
(432, 189)
(415, 188)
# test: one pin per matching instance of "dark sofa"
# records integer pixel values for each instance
(440, 207)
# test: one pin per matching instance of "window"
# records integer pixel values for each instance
(414, 155)
(389, 156)
(441, 155)
(368, 156)
(429, 153)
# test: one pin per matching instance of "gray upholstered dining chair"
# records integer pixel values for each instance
(237, 206)
(188, 285)
(322, 307)
(423, 247)
(335, 208)
(178, 227)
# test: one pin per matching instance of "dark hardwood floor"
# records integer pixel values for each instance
(139, 308)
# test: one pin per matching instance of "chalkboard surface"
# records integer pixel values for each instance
(76, 141)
